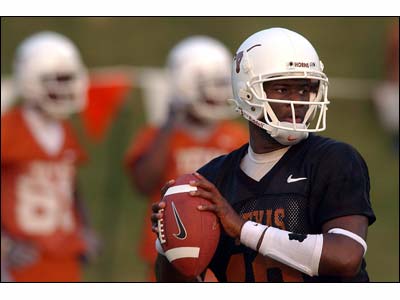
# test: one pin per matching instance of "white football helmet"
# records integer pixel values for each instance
(49, 73)
(278, 54)
(199, 70)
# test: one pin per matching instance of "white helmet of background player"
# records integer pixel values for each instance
(277, 54)
(199, 68)
(49, 73)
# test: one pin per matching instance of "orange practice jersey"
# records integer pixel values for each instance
(186, 154)
(37, 200)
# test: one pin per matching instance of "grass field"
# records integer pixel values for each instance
(351, 47)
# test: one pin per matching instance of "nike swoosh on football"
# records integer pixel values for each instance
(181, 235)
(290, 179)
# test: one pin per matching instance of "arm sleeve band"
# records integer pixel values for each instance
(251, 233)
(299, 251)
(351, 235)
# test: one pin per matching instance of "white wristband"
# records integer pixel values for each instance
(251, 233)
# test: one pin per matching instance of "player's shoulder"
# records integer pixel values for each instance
(16, 140)
(68, 129)
(332, 150)
(232, 124)
(147, 132)
(326, 145)
(11, 124)
(73, 143)
(223, 163)
(10, 117)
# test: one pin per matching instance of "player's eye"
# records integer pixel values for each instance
(304, 91)
(281, 90)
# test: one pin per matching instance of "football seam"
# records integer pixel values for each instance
(160, 225)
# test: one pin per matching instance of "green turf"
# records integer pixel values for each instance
(349, 47)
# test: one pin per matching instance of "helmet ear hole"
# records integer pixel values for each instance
(245, 95)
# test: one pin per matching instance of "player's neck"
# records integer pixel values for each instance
(41, 115)
(193, 120)
(261, 141)
(196, 128)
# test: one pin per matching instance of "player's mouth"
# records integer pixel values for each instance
(290, 120)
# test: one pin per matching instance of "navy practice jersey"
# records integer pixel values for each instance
(315, 181)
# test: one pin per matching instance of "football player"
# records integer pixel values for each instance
(198, 128)
(294, 206)
(386, 94)
(43, 226)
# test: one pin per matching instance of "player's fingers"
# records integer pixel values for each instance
(156, 216)
(166, 186)
(203, 194)
(154, 228)
(207, 207)
(155, 207)
(202, 182)
(198, 175)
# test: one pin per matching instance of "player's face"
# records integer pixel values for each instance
(58, 86)
(289, 89)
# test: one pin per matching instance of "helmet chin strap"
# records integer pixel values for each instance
(283, 136)
(288, 137)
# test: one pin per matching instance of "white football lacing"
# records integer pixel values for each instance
(160, 225)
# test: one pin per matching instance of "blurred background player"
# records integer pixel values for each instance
(44, 227)
(197, 130)
(386, 95)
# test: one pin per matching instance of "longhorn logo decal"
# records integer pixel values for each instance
(238, 57)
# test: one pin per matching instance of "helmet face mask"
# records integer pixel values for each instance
(61, 93)
(50, 75)
(301, 111)
(271, 57)
(199, 71)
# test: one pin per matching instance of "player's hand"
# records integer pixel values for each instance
(229, 219)
(157, 208)
(93, 243)
(18, 253)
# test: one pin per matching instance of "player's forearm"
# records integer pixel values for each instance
(340, 256)
(81, 208)
(148, 171)
(146, 175)
(314, 254)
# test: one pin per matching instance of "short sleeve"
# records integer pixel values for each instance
(341, 185)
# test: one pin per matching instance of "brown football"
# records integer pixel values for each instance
(188, 236)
